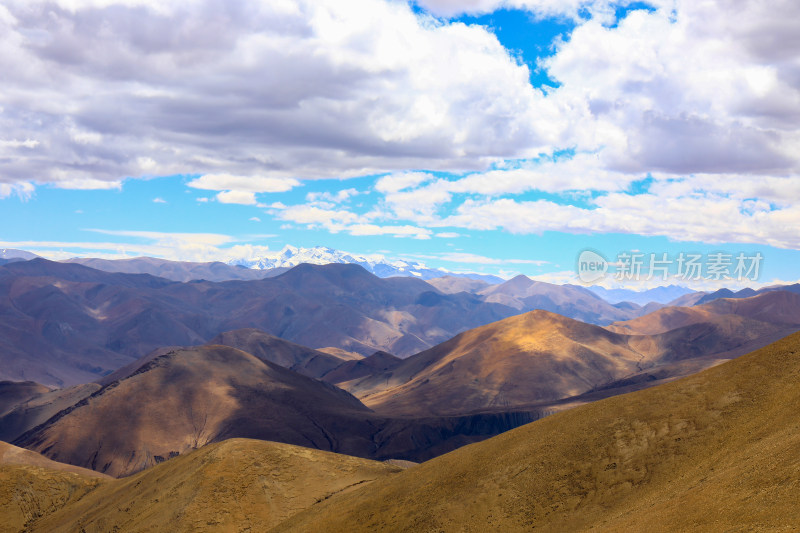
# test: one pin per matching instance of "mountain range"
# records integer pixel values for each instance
(295, 401)
(65, 323)
(714, 451)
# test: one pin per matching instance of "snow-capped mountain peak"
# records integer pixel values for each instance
(291, 256)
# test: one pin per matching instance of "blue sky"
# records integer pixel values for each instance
(500, 137)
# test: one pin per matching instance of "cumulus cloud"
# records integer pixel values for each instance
(254, 184)
(702, 217)
(237, 197)
(22, 189)
(700, 98)
(294, 89)
(574, 9)
(689, 88)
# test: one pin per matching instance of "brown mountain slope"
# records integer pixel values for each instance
(305, 361)
(235, 485)
(776, 307)
(535, 357)
(537, 360)
(32, 486)
(453, 284)
(63, 324)
(525, 294)
(186, 398)
(28, 414)
(717, 451)
(189, 398)
(341, 354)
(376, 363)
(13, 393)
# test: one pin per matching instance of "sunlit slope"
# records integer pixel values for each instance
(235, 485)
(32, 486)
(534, 357)
(717, 451)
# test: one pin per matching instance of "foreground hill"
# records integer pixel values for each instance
(717, 451)
(32, 486)
(235, 485)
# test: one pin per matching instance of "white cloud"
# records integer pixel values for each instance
(23, 189)
(574, 9)
(697, 92)
(254, 184)
(86, 184)
(254, 219)
(339, 220)
(396, 231)
(331, 197)
(16, 143)
(290, 89)
(237, 197)
(448, 235)
(165, 238)
(401, 180)
(703, 218)
(159, 200)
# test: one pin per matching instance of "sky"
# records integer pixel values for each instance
(495, 136)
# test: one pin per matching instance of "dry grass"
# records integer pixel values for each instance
(717, 451)
(236, 485)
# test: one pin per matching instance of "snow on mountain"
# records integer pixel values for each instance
(291, 256)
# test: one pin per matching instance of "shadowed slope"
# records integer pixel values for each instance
(235, 485)
(305, 361)
(36, 410)
(717, 451)
(374, 364)
(13, 393)
(188, 398)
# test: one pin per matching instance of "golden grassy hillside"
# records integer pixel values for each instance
(235, 485)
(32, 486)
(534, 357)
(717, 451)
